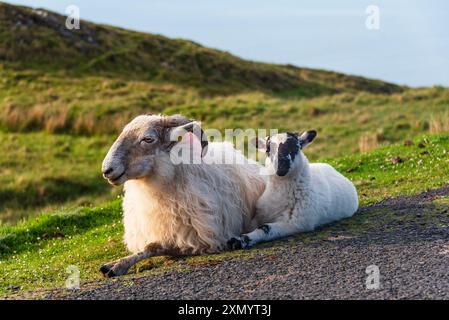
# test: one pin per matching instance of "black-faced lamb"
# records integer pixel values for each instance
(299, 196)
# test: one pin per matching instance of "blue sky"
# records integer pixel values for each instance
(411, 47)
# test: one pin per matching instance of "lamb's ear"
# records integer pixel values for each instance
(259, 143)
(306, 138)
(194, 127)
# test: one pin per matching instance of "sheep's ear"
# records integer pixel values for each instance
(194, 127)
(259, 143)
(306, 138)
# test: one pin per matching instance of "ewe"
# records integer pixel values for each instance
(299, 196)
(175, 208)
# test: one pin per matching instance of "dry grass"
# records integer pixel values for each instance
(368, 142)
(439, 124)
(58, 120)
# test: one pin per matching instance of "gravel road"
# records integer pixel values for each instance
(409, 244)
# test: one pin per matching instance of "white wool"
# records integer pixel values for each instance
(202, 207)
(308, 196)
(315, 194)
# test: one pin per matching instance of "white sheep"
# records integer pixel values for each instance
(175, 208)
(299, 196)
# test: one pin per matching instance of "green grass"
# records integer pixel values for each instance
(35, 254)
(399, 169)
(42, 172)
(92, 104)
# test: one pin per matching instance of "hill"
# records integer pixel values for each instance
(65, 95)
(31, 39)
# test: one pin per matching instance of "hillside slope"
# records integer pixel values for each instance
(65, 95)
(33, 38)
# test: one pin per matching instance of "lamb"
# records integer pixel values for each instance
(299, 196)
(178, 208)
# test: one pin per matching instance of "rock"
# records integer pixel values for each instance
(315, 111)
(396, 160)
(14, 287)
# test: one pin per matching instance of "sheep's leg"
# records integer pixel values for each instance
(121, 266)
(264, 233)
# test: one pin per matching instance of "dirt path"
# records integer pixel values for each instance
(407, 238)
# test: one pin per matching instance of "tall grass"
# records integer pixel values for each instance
(440, 123)
(368, 142)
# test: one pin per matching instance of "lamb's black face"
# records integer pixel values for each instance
(283, 149)
(287, 151)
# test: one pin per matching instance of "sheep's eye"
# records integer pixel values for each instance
(148, 140)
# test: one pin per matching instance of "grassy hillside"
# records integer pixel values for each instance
(65, 95)
(40, 170)
(30, 101)
(33, 38)
(34, 165)
(35, 254)
(103, 76)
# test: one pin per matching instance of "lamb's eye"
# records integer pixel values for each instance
(148, 140)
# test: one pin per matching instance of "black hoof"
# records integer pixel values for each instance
(234, 244)
(110, 274)
(104, 269)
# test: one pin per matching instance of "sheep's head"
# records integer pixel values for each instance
(145, 141)
(282, 150)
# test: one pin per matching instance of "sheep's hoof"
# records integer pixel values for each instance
(235, 244)
(106, 270)
(114, 269)
(110, 274)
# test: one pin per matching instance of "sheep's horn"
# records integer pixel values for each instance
(190, 127)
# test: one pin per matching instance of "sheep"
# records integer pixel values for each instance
(299, 196)
(175, 208)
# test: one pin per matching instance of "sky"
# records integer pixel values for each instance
(411, 45)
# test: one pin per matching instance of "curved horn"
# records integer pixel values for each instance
(191, 127)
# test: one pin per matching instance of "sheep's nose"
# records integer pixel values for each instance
(108, 171)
